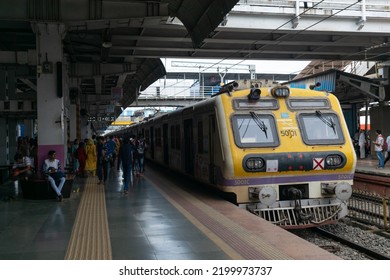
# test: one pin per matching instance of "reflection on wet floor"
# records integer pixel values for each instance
(142, 224)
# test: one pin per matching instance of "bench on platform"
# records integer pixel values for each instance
(39, 189)
(5, 171)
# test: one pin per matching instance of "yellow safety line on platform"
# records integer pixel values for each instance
(90, 239)
(238, 230)
(212, 236)
(217, 240)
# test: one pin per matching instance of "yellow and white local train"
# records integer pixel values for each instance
(284, 153)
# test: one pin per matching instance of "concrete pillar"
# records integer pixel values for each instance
(7, 140)
(50, 101)
(85, 127)
(74, 109)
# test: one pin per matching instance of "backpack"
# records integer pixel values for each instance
(141, 148)
(385, 147)
(76, 154)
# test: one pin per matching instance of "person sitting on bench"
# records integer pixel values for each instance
(22, 168)
(52, 170)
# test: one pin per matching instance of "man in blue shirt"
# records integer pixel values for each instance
(110, 154)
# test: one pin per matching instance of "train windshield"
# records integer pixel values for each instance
(320, 128)
(254, 130)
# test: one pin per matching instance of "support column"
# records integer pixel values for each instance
(74, 109)
(50, 101)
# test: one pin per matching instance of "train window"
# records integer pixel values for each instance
(200, 137)
(178, 136)
(173, 137)
(320, 128)
(158, 137)
(263, 103)
(253, 130)
(301, 104)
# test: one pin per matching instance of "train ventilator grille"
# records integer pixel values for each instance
(305, 216)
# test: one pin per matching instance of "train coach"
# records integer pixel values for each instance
(285, 154)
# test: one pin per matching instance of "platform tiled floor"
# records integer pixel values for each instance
(142, 225)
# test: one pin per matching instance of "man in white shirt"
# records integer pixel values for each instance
(52, 169)
(362, 144)
(22, 167)
(378, 148)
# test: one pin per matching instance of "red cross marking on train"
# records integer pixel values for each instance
(318, 163)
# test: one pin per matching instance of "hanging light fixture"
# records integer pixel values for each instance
(107, 44)
(107, 38)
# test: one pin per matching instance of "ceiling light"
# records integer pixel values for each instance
(107, 44)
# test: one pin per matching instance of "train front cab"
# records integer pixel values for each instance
(290, 162)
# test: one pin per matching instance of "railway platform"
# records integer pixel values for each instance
(369, 166)
(158, 220)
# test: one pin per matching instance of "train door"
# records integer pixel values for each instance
(188, 147)
(165, 144)
(350, 115)
(151, 144)
(211, 149)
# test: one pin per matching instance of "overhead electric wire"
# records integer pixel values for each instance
(299, 31)
(254, 42)
(278, 41)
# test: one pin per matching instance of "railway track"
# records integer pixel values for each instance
(365, 236)
(370, 253)
(369, 202)
(369, 205)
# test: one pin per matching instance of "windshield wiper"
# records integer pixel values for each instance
(259, 123)
(246, 128)
(329, 122)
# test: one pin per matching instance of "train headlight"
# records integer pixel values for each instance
(254, 94)
(254, 164)
(333, 160)
(280, 91)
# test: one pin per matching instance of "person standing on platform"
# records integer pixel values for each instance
(34, 151)
(141, 148)
(75, 146)
(388, 150)
(53, 172)
(379, 148)
(136, 168)
(69, 157)
(110, 146)
(90, 164)
(82, 158)
(362, 144)
(23, 147)
(117, 146)
(126, 158)
(101, 164)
